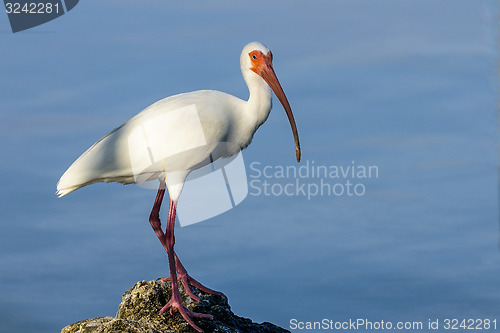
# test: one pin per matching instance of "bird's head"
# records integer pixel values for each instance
(257, 58)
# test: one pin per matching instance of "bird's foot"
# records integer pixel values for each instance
(186, 280)
(175, 305)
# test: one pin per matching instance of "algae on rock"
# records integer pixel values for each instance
(139, 313)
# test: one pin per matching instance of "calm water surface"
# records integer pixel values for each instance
(407, 87)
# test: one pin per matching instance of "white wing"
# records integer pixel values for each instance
(178, 133)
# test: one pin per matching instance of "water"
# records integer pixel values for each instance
(408, 87)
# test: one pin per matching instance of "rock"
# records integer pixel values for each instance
(139, 313)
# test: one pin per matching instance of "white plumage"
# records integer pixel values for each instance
(223, 119)
(176, 135)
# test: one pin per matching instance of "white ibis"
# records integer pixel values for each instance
(175, 145)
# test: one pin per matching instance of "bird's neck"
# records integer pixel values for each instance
(253, 112)
(260, 101)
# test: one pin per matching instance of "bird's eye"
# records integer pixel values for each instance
(254, 56)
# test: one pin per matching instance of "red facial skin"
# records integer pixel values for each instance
(263, 66)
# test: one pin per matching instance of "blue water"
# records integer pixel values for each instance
(408, 87)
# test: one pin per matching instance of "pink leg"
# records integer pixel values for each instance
(168, 241)
(184, 277)
(175, 301)
(154, 218)
(182, 274)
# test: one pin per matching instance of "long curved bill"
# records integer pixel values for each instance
(267, 73)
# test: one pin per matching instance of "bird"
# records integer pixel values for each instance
(174, 136)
